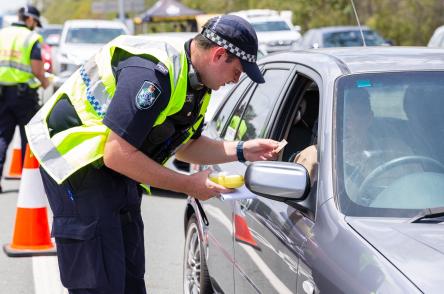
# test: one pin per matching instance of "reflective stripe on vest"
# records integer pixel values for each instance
(15, 56)
(90, 89)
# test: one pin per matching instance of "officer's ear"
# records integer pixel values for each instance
(217, 54)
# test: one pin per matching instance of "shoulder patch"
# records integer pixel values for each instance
(162, 68)
(147, 95)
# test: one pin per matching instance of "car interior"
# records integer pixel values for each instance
(302, 129)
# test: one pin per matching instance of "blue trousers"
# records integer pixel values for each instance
(98, 231)
(17, 107)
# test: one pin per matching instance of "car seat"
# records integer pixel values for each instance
(423, 108)
(304, 126)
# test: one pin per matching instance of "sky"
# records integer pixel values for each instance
(13, 5)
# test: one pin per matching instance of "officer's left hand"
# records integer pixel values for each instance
(260, 149)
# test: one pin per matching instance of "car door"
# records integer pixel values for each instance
(270, 235)
(250, 120)
(220, 253)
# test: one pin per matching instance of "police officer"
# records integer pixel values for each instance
(113, 124)
(21, 73)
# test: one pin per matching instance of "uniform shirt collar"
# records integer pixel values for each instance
(19, 24)
(187, 48)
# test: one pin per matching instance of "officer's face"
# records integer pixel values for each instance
(31, 23)
(226, 69)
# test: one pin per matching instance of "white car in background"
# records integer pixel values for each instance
(80, 39)
(274, 31)
(437, 39)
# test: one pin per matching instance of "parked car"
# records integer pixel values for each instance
(437, 39)
(51, 38)
(6, 19)
(80, 39)
(274, 33)
(341, 36)
(51, 34)
(368, 220)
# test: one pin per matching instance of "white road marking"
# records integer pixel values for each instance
(46, 275)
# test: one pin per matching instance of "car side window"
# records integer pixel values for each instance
(249, 120)
(226, 110)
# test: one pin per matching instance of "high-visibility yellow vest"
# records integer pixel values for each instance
(90, 90)
(16, 43)
(240, 125)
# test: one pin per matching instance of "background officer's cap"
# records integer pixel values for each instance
(32, 11)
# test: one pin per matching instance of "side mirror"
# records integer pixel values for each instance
(281, 181)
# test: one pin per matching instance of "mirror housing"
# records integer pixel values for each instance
(281, 181)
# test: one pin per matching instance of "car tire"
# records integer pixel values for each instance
(195, 272)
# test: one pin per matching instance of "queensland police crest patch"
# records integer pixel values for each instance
(147, 95)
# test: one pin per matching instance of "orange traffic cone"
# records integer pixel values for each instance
(15, 166)
(242, 232)
(31, 230)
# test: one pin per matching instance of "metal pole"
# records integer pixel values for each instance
(122, 11)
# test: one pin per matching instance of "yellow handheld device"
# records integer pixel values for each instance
(228, 181)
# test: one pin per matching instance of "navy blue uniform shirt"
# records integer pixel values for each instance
(142, 93)
(127, 117)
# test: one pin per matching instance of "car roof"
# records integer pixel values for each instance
(351, 60)
(259, 15)
(51, 26)
(265, 18)
(94, 23)
(175, 39)
(339, 29)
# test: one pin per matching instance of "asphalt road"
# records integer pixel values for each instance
(164, 239)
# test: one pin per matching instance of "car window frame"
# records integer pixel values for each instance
(277, 132)
(227, 97)
(253, 87)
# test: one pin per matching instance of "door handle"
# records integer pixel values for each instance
(308, 287)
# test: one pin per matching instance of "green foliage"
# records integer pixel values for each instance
(405, 22)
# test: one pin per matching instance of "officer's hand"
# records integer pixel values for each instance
(260, 149)
(202, 188)
(50, 77)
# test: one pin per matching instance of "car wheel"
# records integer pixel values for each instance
(195, 272)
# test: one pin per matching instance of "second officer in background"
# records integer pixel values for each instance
(21, 73)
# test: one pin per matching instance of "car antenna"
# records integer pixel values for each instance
(359, 23)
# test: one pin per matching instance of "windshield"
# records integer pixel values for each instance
(352, 39)
(390, 147)
(270, 26)
(47, 32)
(92, 35)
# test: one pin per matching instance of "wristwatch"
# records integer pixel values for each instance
(240, 151)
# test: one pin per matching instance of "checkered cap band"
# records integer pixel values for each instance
(212, 36)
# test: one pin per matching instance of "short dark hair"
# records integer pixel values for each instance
(204, 43)
(21, 14)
